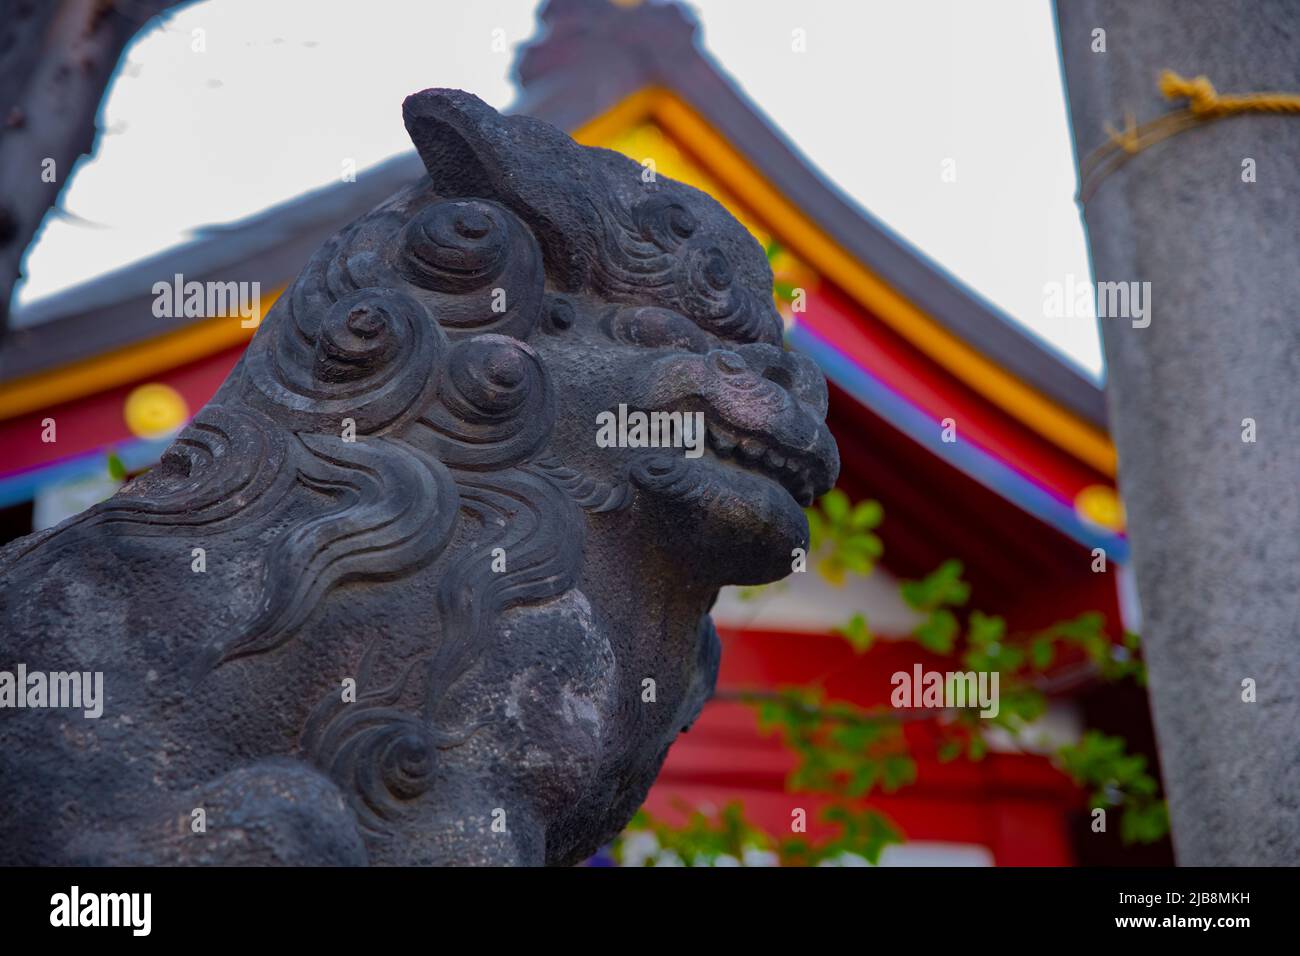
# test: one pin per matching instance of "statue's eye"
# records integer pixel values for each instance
(652, 327)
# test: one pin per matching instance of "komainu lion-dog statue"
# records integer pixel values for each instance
(429, 602)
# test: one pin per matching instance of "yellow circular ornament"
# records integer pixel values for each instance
(154, 410)
(1100, 505)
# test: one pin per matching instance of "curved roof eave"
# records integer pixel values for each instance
(567, 96)
(556, 75)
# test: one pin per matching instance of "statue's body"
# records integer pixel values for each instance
(495, 586)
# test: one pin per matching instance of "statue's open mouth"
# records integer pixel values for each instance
(795, 471)
(763, 409)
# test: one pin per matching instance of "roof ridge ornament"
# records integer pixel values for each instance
(575, 36)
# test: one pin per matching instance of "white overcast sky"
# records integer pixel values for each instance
(886, 92)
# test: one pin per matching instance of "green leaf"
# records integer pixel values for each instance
(857, 633)
(862, 542)
(835, 504)
(863, 779)
(859, 552)
(1041, 652)
(866, 515)
(1144, 824)
(899, 770)
(943, 586)
(984, 629)
(856, 736)
(938, 633)
(949, 751)
(116, 470)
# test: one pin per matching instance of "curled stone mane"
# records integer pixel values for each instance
(397, 406)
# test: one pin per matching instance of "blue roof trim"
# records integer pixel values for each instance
(135, 455)
(963, 455)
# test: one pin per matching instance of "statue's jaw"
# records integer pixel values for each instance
(719, 522)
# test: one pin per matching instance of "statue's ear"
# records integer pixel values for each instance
(530, 167)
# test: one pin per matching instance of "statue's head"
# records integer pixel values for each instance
(550, 388)
(638, 295)
(539, 305)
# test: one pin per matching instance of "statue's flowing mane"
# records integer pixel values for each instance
(415, 420)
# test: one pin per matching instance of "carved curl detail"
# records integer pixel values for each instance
(664, 222)
(654, 251)
(496, 406)
(383, 756)
(369, 361)
(481, 259)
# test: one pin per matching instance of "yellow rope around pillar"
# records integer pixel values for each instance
(1204, 104)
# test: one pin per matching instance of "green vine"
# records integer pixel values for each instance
(847, 753)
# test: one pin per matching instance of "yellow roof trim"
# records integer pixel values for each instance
(623, 115)
(124, 365)
(1060, 426)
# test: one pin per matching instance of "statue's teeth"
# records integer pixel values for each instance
(789, 472)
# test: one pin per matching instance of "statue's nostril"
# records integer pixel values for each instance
(780, 376)
(717, 271)
(472, 224)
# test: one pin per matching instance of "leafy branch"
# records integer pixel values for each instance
(847, 752)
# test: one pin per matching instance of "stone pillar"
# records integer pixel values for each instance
(1214, 517)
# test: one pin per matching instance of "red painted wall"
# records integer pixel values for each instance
(1015, 805)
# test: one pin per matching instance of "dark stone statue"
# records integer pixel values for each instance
(387, 599)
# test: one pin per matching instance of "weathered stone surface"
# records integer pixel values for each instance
(471, 329)
(1213, 518)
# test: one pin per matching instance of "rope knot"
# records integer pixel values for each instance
(1202, 98)
(1204, 105)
